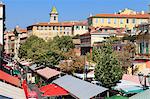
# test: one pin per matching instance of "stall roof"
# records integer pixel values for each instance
(133, 78)
(48, 72)
(79, 88)
(53, 90)
(142, 95)
(10, 79)
(11, 91)
(34, 67)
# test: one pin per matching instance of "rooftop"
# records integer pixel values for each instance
(48, 72)
(141, 16)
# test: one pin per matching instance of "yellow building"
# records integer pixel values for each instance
(48, 30)
(123, 19)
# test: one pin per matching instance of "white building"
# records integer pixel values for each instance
(2, 20)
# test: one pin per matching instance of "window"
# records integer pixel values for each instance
(39, 27)
(77, 27)
(141, 21)
(133, 20)
(60, 27)
(49, 28)
(121, 21)
(105, 30)
(108, 21)
(102, 20)
(127, 20)
(115, 21)
(54, 18)
(96, 20)
(141, 47)
(53, 27)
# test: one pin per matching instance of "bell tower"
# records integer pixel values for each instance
(54, 15)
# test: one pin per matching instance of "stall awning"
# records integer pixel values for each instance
(11, 91)
(10, 79)
(142, 95)
(53, 90)
(79, 88)
(48, 72)
(117, 97)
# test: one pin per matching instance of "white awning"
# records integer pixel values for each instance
(11, 91)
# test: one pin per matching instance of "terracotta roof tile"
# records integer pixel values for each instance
(81, 23)
(143, 16)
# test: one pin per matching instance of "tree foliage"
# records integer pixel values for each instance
(64, 43)
(73, 63)
(108, 69)
(124, 58)
(42, 52)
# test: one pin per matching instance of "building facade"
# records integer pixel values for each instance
(13, 39)
(143, 41)
(2, 24)
(48, 30)
(126, 18)
(95, 36)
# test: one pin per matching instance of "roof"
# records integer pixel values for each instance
(69, 23)
(79, 88)
(35, 67)
(141, 16)
(48, 72)
(11, 91)
(143, 95)
(54, 10)
(25, 63)
(89, 74)
(133, 78)
(99, 30)
(148, 64)
(132, 89)
(4, 97)
(53, 90)
(117, 97)
(10, 79)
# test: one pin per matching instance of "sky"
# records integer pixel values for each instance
(28, 12)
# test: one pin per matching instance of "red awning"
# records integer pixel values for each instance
(53, 90)
(10, 79)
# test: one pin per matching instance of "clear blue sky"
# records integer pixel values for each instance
(27, 12)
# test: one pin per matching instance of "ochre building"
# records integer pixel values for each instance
(49, 30)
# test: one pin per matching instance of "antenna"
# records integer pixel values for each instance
(149, 13)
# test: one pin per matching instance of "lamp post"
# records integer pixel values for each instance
(85, 66)
(145, 77)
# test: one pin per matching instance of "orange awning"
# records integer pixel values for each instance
(10, 79)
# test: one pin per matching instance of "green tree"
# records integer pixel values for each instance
(42, 52)
(64, 43)
(108, 69)
(73, 63)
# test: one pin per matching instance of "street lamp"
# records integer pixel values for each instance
(145, 77)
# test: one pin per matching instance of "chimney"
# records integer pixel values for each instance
(90, 15)
(142, 12)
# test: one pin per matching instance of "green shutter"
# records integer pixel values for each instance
(147, 49)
